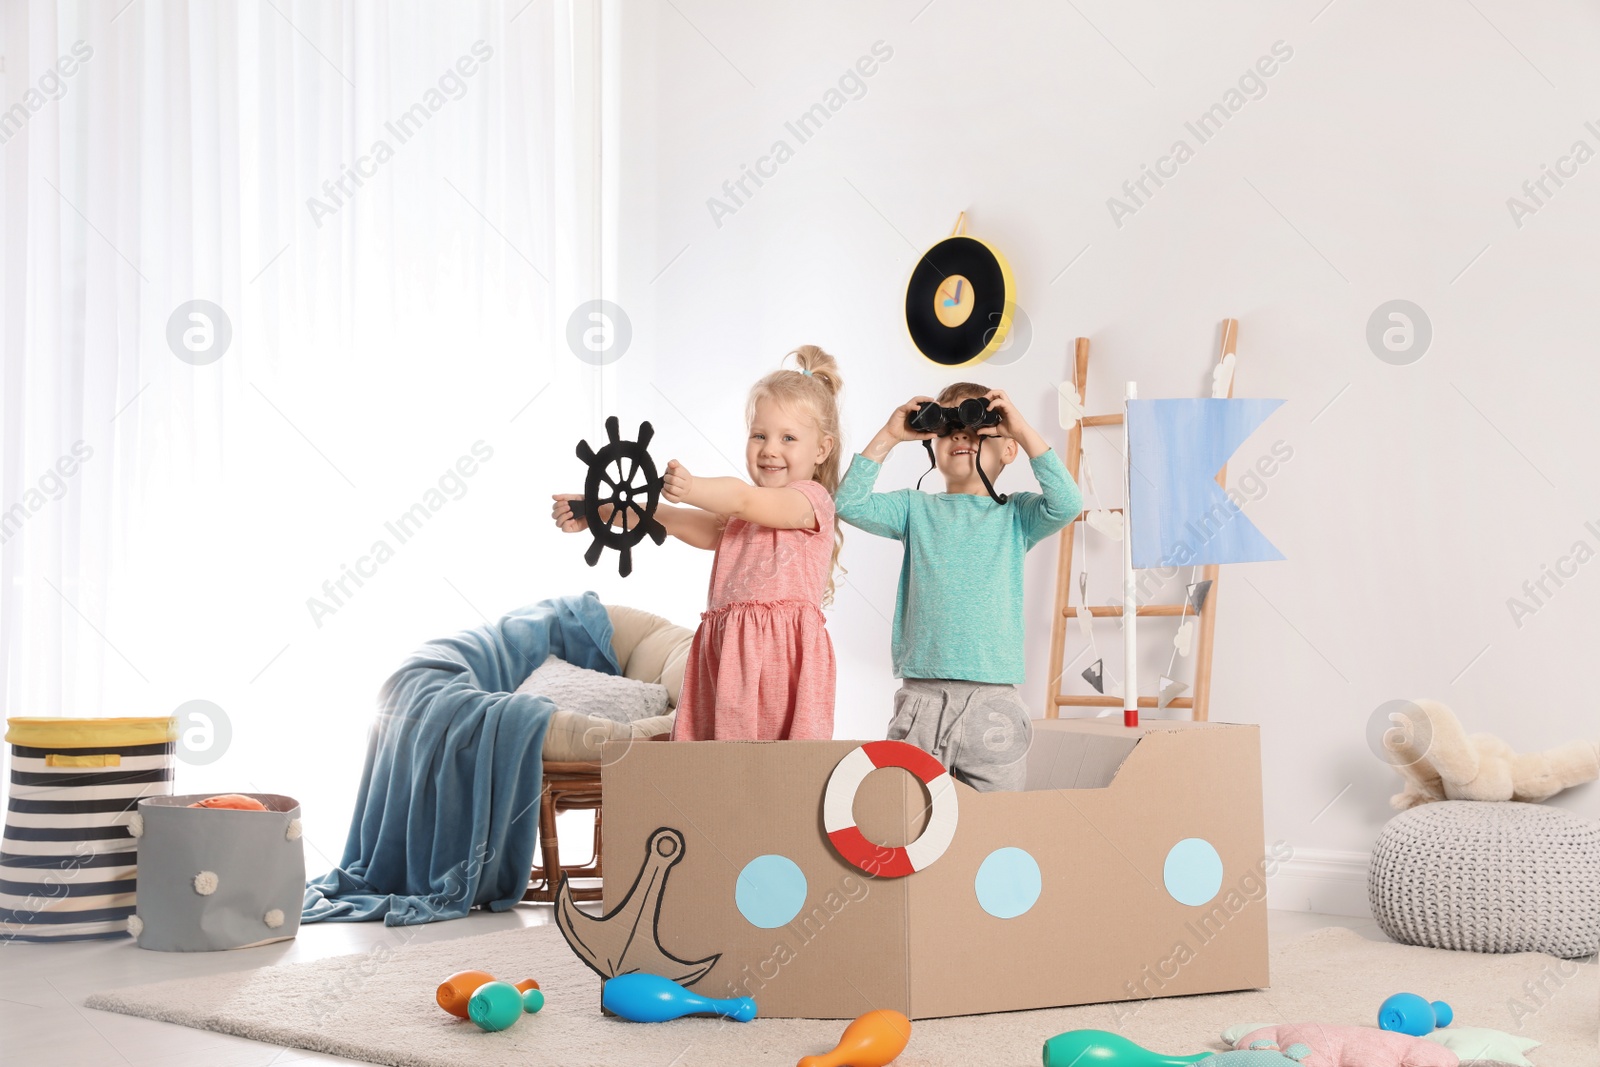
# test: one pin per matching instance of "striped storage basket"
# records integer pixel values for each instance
(67, 860)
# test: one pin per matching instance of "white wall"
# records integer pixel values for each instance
(1377, 165)
(1418, 499)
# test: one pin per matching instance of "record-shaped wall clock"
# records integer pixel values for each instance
(959, 300)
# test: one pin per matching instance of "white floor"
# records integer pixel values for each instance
(43, 986)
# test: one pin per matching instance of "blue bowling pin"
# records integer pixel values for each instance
(649, 998)
(1407, 1013)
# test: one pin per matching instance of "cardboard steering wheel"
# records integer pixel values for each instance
(622, 475)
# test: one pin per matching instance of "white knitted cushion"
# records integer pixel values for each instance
(1489, 877)
(607, 696)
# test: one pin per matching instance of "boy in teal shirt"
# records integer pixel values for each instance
(958, 614)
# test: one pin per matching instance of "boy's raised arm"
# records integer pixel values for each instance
(1058, 502)
(883, 514)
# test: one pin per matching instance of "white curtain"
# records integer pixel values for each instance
(389, 210)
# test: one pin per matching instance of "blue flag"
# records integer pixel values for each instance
(1180, 515)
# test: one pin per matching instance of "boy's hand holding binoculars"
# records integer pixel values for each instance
(898, 429)
(899, 425)
(1014, 426)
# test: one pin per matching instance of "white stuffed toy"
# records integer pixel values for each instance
(1441, 761)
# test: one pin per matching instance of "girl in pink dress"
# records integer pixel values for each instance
(761, 667)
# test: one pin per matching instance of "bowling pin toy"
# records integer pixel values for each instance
(454, 992)
(1407, 1013)
(873, 1040)
(649, 998)
(496, 1006)
(1100, 1048)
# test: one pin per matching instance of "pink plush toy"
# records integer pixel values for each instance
(1353, 1046)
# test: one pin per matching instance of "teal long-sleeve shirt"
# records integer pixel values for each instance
(958, 613)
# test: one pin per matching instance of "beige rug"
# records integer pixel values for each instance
(379, 1007)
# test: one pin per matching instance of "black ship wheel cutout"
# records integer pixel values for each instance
(623, 475)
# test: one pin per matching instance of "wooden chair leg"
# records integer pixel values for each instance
(546, 879)
(549, 843)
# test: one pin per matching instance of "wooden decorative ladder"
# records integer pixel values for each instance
(1066, 612)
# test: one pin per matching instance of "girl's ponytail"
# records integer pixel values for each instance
(816, 363)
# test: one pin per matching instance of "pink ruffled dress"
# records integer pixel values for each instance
(761, 667)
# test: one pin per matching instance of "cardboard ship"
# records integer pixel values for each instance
(829, 878)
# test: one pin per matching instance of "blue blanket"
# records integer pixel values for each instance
(448, 809)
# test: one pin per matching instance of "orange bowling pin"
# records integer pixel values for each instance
(873, 1040)
(455, 992)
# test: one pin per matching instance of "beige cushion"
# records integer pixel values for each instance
(574, 737)
(648, 649)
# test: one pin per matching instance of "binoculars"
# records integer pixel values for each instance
(972, 415)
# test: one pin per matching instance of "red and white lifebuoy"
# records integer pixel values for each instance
(838, 804)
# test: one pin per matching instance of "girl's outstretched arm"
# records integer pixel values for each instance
(780, 509)
(692, 526)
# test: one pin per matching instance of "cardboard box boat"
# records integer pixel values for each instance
(1131, 867)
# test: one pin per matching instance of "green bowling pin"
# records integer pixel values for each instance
(496, 1006)
(1099, 1048)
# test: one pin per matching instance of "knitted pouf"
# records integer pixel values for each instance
(1489, 877)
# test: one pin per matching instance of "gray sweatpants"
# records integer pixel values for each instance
(980, 731)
